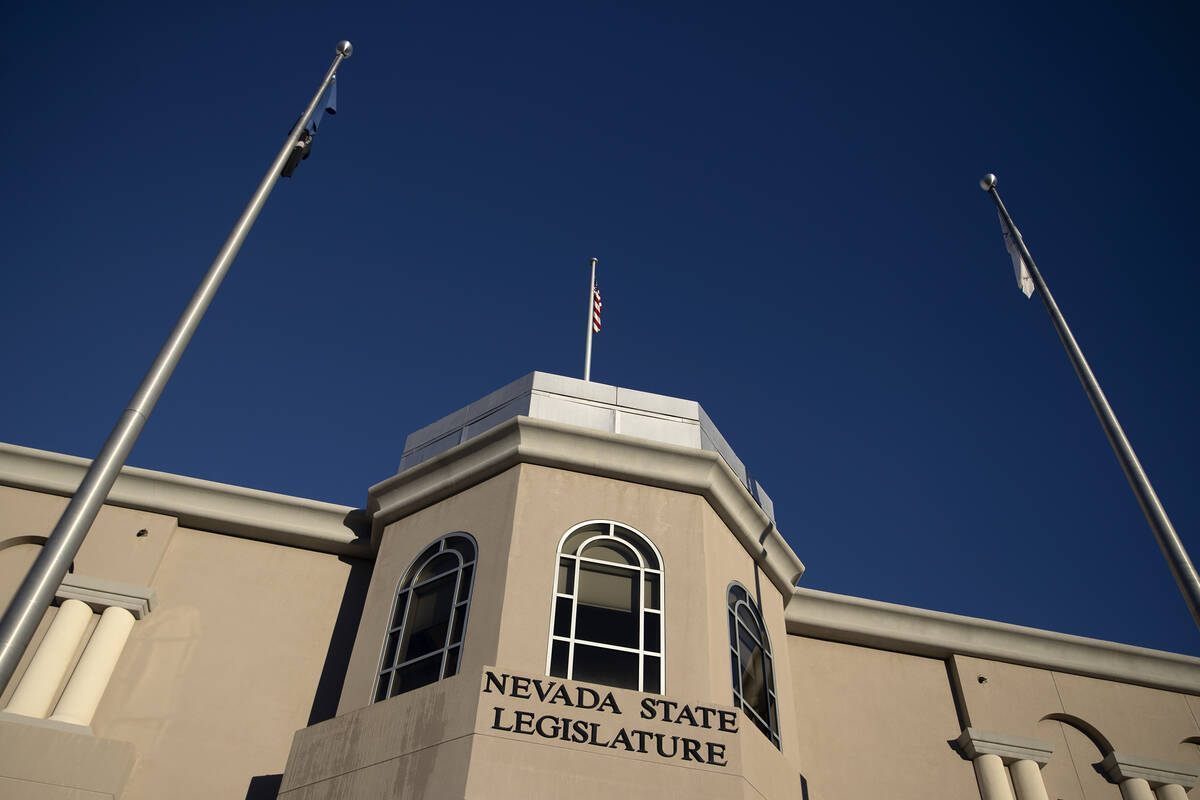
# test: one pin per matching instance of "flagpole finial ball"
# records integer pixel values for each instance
(987, 182)
(344, 48)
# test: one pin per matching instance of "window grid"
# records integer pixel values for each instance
(740, 599)
(449, 654)
(643, 550)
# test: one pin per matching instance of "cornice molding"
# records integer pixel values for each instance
(200, 504)
(919, 631)
(1122, 766)
(524, 440)
(974, 742)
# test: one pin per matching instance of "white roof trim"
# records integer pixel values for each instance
(205, 505)
(904, 629)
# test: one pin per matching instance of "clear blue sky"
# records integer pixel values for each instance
(783, 200)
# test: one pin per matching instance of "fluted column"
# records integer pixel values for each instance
(48, 667)
(82, 696)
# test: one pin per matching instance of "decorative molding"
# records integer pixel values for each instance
(524, 440)
(101, 594)
(200, 504)
(935, 634)
(1118, 767)
(974, 742)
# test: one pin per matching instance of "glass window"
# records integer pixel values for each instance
(606, 617)
(753, 667)
(429, 617)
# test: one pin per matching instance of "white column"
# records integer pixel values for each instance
(992, 777)
(1027, 779)
(1171, 791)
(1136, 789)
(48, 667)
(82, 696)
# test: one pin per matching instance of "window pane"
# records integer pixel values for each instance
(639, 544)
(650, 632)
(609, 667)
(401, 603)
(607, 605)
(389, 651)
(613, 551)
(416, 675)
(442, 563)
(421, 559)
(650, 676)
(562, 616)
(382, 687)
(749, 621)
(737, 674)
(650, 597)
(580, 536)
(464, 584)
(460, 620)
(754, 685)
(452, 661)
(736, 593)
(463, 546)
(428, 618)
(607, 586)
(566, 576)
(558, 659)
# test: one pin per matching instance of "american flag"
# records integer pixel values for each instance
(596, 306)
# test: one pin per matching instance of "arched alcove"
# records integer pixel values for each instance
(16, 557)
(1078, 747)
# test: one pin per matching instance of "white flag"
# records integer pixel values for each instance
(1024, 280)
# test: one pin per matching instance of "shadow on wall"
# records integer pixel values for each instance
(264, 787)
(341, 641)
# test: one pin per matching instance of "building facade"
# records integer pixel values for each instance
(567, 590)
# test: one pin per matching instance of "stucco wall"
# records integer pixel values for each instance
(214, 682)
(875, 724)
(1086, 718)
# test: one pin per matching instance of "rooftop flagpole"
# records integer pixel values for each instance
(36, 592)
(1156, 515)
(587, 353)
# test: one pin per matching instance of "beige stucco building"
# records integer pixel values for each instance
(567, 590)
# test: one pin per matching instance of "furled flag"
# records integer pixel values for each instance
(303, 146)
(1024, 279)
(596, 306)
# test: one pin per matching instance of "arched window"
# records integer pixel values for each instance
(606, 624)
(429, 616)
(753, 666)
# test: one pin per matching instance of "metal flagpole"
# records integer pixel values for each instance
(28, 606)
(587, 353)
(1156, 515)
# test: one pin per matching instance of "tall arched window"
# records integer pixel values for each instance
(429, 617)
(606, 624)
(753, 666)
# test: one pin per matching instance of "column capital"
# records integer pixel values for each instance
(101, 594)
(973, 742)
(1118, 767)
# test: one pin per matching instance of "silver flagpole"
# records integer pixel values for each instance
(1156, 515)
(29, 604)
(587, 353)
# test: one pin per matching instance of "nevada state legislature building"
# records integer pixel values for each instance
(568, 590)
